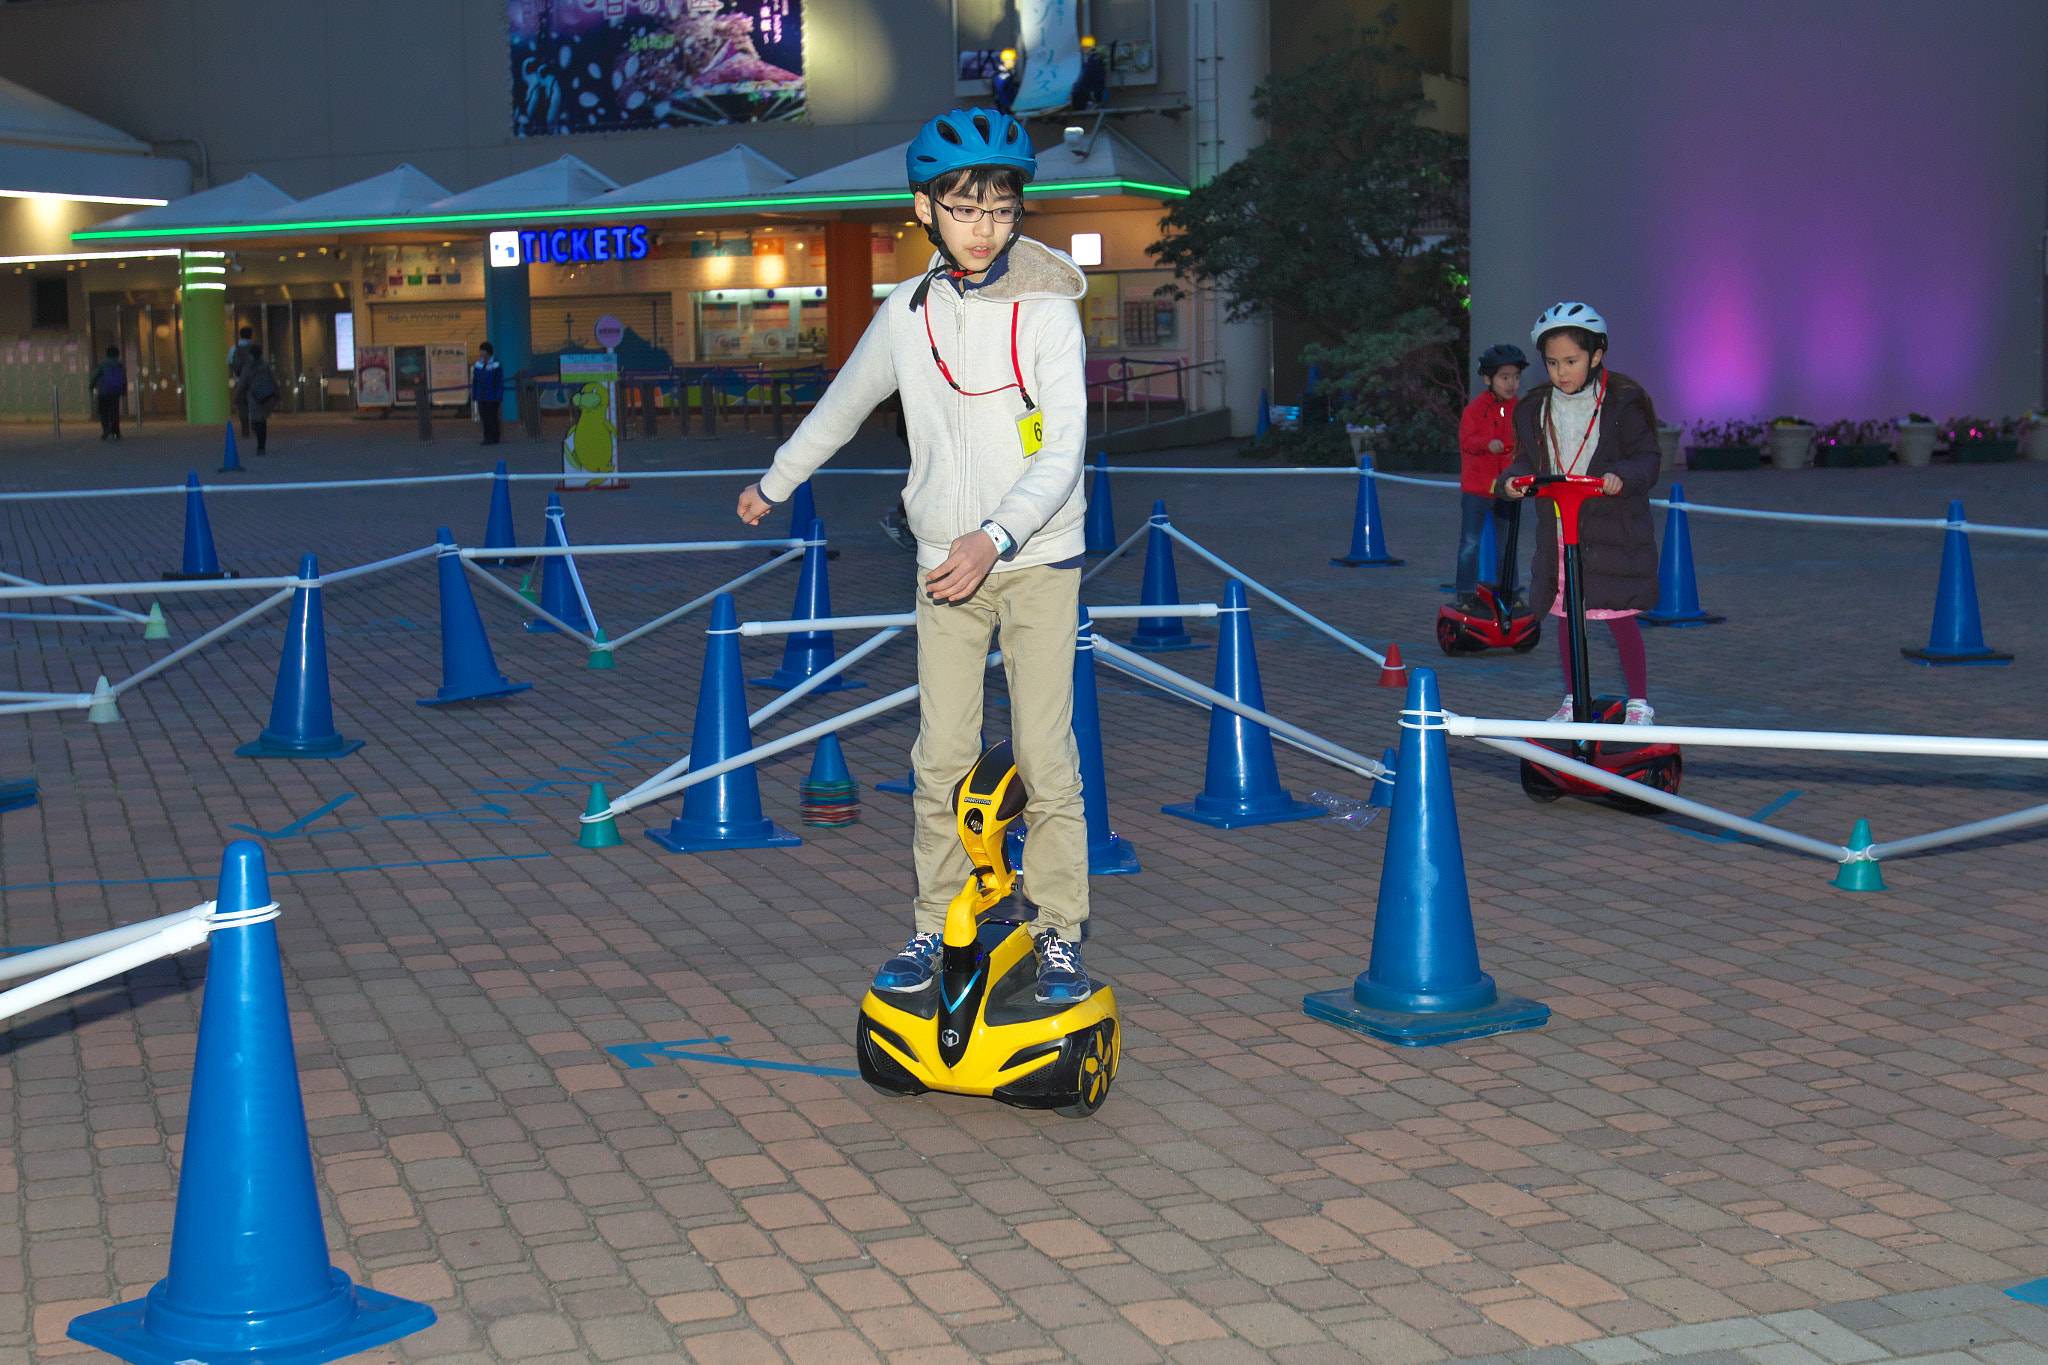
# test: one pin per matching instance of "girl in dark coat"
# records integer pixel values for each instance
(1590, 420)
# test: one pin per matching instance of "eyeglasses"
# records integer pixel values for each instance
(1008, 214)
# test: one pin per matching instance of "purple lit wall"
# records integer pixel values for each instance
(1812, 206)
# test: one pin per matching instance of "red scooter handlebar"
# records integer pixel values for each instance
(1568, 491)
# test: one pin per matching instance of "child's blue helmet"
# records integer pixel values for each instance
(968, 137)
(1494, 357)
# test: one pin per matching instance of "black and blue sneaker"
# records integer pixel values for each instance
(1062, 980)
(911, 969)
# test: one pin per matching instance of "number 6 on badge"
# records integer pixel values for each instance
(1031, 431)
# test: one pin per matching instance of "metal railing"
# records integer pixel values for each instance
(701, 396)
(1135, 392)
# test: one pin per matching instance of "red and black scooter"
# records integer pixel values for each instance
(1654, 765)
(1499, 621)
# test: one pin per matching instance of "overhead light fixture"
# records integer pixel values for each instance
(90, 256)
(83, 198)
(1086, 248)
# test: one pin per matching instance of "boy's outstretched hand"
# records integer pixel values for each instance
(960, 575)
(753, 506)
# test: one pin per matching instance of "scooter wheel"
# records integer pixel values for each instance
(1537, 787)
(1450, 637)
(1535, 638)
(888, 1094)
(1095, 1068)
(1664, 774)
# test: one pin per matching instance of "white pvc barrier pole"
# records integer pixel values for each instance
(651, 548)
(36, 696)
(122, 612)
(79, 949)
(770, 749)
(174, 938)
(557, 622)
(203, 641)
(1141, 612)
(1600, 777)
(157, 589)
(1359, 762)
(1277, 600)
(1118, 553)
(895, 621)
(1473, 727)
(54, 704)
(684, 610)
(1997, 824)
(1178, 695)
(775, 707)
(343, 575)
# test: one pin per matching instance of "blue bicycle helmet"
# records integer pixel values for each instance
(968, 137)
(1494, 357)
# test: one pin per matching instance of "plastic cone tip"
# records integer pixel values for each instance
(1393, 673)
(156, 628)
(105, 708)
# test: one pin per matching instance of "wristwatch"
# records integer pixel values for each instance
(1001, 537)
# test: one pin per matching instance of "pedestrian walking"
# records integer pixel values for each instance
(487, 390)
(256, 394)
(107, 386)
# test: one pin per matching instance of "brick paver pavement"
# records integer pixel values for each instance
(1762, 1102)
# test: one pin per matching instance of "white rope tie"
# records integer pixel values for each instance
(1431, 720)
(240, 919)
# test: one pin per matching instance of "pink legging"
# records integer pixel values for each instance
(1628, 639)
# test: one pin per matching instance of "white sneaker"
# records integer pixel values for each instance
(1563, 714)
(1640, 712)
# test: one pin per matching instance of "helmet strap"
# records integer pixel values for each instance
(947, 265)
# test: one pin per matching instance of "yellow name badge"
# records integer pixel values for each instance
(1031, 431)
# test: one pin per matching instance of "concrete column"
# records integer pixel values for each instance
(202, 319)
(508, 324)
(849, 288)
(1234, 37)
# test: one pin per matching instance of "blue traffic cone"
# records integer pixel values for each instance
(249, 1278)
(1382, 795)
(1423, 985)
(1678, 592)
(1100, 525)
(500, 531)
(1109, 853)
(200, 561)
(726, 811)
(1860, 874)
(806, 652)
(469, 672)
(1241, 785)
(803, 510)
(1265, 418)
(1160, 634)
(1368, 533)
(1958, 633)
(557, 589)
(302, 709)
(231, 458)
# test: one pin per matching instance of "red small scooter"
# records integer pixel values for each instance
(1499, 622)
(1654, 765)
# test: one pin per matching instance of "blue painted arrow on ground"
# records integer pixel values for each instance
(643, 1054)
(295, 826)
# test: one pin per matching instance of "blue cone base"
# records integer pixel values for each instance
(1508, 1014)
(1227, 819)
(1349, 562)
(907, 787)
(372, 1318)
(475, 694)
(782, 681)
(679, 838)
(1927, 656)
(1117, 858)
(1693, 618)
(266, 747)
(1165, 644)
(18, 794)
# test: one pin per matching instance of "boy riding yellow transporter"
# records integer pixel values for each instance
(987, 352)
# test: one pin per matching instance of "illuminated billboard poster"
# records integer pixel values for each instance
(604, 66)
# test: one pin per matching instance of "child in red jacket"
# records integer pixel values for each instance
(1486, 445)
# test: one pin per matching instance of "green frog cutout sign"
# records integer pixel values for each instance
(590, 450)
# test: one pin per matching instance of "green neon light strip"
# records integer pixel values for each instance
(610, 211)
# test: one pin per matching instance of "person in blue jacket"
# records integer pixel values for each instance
(487, 390)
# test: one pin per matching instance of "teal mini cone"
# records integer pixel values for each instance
(302, 708)
(249, 1278)
(1423, 985)
(156, 628)
(1860, 874)
(598, 833)
(601, 658)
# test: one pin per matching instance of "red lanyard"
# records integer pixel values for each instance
(1015, 368)
(1599, 400)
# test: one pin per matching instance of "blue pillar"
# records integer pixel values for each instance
(508, 324)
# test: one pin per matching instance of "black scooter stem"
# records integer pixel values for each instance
(1575, 608)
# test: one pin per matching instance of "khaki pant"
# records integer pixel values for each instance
(1033, 616)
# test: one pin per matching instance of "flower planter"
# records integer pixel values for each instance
(1852, 457)
(1791, 445)
(1668, 438)
(1984, 452)
(1916, 443)
(1724, 457)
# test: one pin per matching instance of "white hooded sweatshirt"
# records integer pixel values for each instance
(967, 460)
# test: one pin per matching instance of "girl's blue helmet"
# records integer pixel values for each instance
(968, 137)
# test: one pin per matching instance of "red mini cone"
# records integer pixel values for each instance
(1393, 673)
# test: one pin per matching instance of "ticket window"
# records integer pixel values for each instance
(761, 326)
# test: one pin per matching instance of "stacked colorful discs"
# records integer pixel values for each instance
(829, 797)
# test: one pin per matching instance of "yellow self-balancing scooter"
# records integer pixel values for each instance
(975, 1027)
